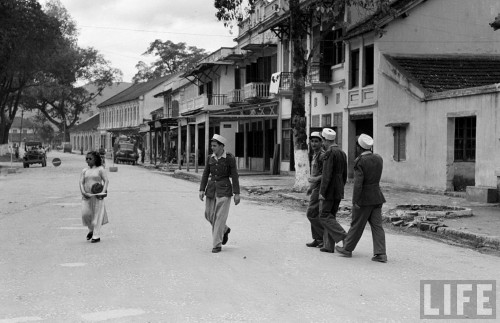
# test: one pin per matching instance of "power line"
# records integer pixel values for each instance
(154, 31)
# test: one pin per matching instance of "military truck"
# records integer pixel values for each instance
(34, 154)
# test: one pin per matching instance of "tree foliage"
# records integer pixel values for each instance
(28, 37)
(57, 94)
(171, 58)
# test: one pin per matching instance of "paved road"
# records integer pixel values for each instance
(154, 263)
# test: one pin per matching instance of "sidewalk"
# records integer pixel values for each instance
(482, 229)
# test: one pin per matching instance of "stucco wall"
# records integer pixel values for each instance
(444, 26)
(427, 136)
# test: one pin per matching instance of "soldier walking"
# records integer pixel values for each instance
(221, 166)
(332, 190)
(315, 181)
(367, 200)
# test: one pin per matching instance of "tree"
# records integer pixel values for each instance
(301, 15)
(57, 94)
(28, 36)
(172, 58)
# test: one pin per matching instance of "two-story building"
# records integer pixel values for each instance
(424, 82)
(124, 113)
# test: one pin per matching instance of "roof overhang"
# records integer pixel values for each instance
(256, 47)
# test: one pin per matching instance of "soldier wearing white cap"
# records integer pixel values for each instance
(331, 191)
(315, 181)
(367, 200)
(220, 166)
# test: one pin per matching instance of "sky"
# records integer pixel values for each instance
(122, 30)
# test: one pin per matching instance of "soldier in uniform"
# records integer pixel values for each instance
(367, 200)
(332, 190)
(220, 166)
(315, 181)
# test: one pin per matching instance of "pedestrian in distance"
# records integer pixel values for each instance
(315, 182)
(331, 191)
(218, 190)
(94, 188)
(367, 200)
(143, 154)
(102, 152)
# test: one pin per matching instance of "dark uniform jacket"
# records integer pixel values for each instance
(317, 167)
(367, 172)
(334, 174)
(220, 170)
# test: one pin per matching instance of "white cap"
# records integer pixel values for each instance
(365, 141)
(329, 134)
(315, 134)
(220, 139)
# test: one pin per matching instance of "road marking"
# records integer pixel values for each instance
(113, 314)
(67, 204)
(73, 228)
(22, 319)
(74, 264)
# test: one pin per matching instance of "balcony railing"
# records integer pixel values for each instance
(286, 81)
(235, 96)
(217, 99)
(256, 90)
(320, 73)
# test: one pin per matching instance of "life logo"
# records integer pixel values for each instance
(458, 299)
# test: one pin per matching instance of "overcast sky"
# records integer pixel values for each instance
(122, 30)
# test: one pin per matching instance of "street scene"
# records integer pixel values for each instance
(249, 161)
(154, 263)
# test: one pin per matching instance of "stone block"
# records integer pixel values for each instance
(483, 194)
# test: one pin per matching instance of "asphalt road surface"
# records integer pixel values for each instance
(154, 261)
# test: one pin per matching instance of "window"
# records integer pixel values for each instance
(14, 130)
(338, 46)
(399, 143)
(354, 68)
(201, 89)
(465, 139)
(315, 102)
(337, 98)
(326, 120)
(287, 139)
(25, 130)
(326, 100)
(369, 67)
(315, 121)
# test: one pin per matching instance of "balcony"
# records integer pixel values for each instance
(235, 96)
(286, 84)
(256, 90)
(319, 77)
(201, 101)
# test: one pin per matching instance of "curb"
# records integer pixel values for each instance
(479, 240)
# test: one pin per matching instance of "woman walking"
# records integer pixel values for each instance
(94, 187)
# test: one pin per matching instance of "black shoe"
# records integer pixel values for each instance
(380, 258)
(326, 250)
(344, 252)
(315, 243)
(226, 236)
(216, 250)
(95, 240)
(89, 235)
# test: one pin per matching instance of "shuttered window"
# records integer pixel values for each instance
(399, 143)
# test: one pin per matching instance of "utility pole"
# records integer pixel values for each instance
(21, 132)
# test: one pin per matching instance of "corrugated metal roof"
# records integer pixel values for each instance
(443, 73)
(134, 91)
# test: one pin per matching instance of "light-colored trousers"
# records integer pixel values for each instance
(216, 212)
(94, 215)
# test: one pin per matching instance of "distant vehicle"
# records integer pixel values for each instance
(125, 150)
(67, 148)
(34, 154)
